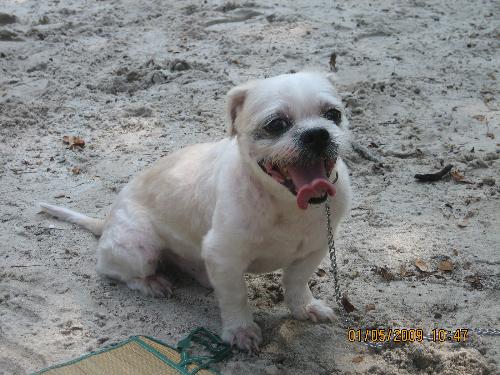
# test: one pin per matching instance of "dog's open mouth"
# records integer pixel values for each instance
(309, 182)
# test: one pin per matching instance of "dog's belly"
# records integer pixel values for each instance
(193, 267)
(281, 252)
(264, 265)
(180, 244)
(184, 252)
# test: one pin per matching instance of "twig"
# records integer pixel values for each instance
(26, 265)
(21, 171)
(404, 155)
(333, 62)
(390, 122)
(365, 153)
(428, 177)
(269, 46)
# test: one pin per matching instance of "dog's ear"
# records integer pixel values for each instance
(235, 100)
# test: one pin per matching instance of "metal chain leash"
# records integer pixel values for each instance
(348, 322)
(486, 331)
(333, 255)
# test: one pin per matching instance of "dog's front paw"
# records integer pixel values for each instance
(316, 310)
(244, 338)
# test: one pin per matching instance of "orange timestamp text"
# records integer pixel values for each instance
(405, 335)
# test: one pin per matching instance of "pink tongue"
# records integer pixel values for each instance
(310, 182)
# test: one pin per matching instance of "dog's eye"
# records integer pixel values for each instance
(333, 114)
(277, 126)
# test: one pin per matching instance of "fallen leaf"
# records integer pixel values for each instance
(446, 265)
(455, 252)
(403, 272)
(370, 307)
(463, 222)
(348, 306)
(321, 272)
(73, 141)
(76, 170)
(474, 281)
(421, 265)
(60, 195)
(357, 359)
(480, 118)
(457, 175)
(384, 273)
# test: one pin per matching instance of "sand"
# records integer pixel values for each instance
(139, 79)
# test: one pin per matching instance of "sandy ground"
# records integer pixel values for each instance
(139, 79)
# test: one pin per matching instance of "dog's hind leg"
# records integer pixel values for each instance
(134, 263)
(130, 251)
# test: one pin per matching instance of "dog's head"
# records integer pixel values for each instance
(292, 128)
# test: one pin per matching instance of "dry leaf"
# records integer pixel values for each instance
(385, 273)
(403, 272)
(480, 118)
(446, 265)
(370, 307)
(357, 359)
(73, 141)
(463, 222)
(321, 272)
(474, 281)
(457, 175)
(76, 170)
(348, 306)
(421, 265)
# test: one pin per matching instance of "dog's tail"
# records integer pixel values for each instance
(93, 225)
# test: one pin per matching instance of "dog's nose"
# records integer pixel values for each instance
(316, 139)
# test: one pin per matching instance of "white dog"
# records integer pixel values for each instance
(248, 203)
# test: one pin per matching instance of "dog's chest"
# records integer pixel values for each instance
(285, 241)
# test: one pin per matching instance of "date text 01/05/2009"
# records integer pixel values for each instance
(406, 335)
